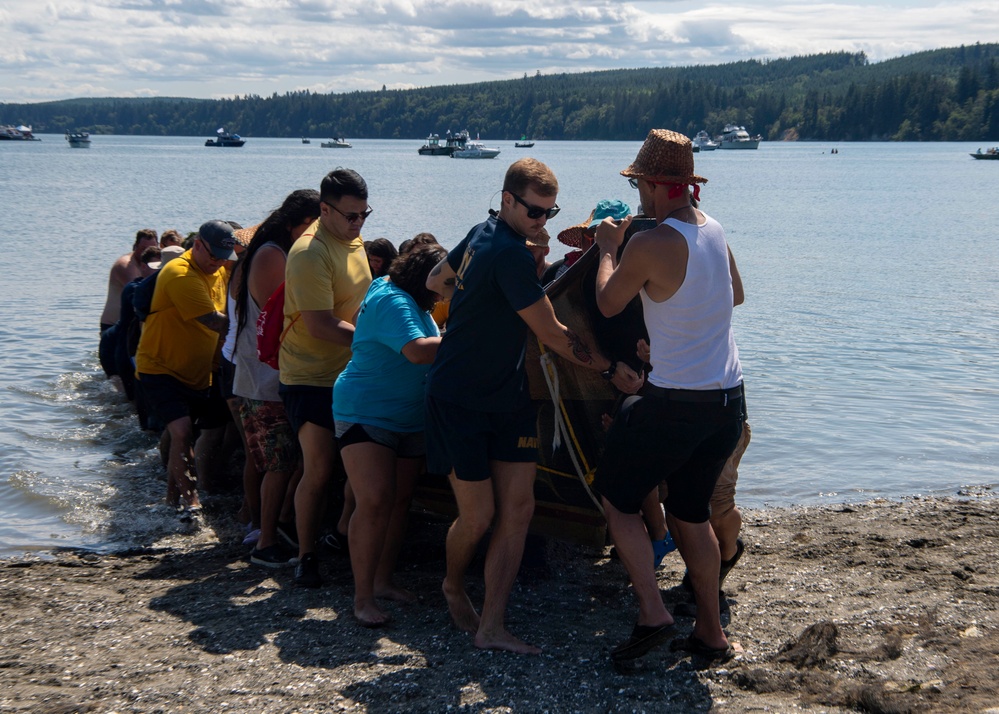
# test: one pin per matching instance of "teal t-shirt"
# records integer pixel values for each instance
(379, 386)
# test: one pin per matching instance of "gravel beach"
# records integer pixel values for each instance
(887, 606)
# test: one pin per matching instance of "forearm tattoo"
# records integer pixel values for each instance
(580, 350)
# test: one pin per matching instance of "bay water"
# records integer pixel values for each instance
(868, 338)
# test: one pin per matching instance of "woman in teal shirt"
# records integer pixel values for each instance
(378, 411)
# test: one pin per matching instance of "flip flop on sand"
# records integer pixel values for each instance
(696, 646)
(643, 638)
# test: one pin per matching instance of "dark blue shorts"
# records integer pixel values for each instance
(170, 399)
(655, 439)
(465, 440)
(306, 403)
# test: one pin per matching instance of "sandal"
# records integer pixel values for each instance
(696, 646)
(643, 638)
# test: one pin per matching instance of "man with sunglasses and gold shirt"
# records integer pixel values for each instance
(326, 278)
(481, 424)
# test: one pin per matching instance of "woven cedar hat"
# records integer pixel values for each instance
(666, 156)
(541, 240)
(573, 236)
(245, 235)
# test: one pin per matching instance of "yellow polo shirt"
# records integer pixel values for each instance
(322, 273)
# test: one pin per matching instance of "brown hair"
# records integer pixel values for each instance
(410, 270)
(143, 234)
(530, 173)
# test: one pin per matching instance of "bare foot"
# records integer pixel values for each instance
(368, 614)
(396, 594)
(462, 611)
(503, 640)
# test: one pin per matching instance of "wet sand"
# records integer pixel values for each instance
(880, 607)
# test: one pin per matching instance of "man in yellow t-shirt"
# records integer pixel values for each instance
(326, 278)
(178, 345)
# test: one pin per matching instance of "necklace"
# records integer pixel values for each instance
(676, 210)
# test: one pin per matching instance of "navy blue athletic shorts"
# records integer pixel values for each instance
(465, 440)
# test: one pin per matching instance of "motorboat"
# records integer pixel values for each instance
(524, 143)
(78, 139)
(475, 149)
(337, 143)
(452, 143)
(736, 137)
(702, 142)
(17, 133)
(988, 154)
(224, 138)
(306, 140)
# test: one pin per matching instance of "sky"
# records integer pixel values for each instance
(61, 49)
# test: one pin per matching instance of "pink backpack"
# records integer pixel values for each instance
(270, 334)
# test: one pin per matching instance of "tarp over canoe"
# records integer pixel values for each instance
(569, 447)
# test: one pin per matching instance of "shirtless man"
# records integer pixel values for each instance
(125, 270)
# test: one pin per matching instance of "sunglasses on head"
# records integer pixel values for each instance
(351, 217)
(536, 211)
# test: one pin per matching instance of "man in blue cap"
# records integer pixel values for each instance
(177, 348)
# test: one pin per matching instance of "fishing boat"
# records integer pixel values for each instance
(989, 154)
(452, 143)
(337, 143)
(736, 137)
(524, 143)
(17, 133)
(702, 142)
(224, 138)
(475, 149)
(78, 139)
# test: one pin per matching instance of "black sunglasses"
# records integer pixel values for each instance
(351, 217)
(633, 182)
(536, 211)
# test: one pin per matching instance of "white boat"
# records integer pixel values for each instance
(20, 133)
(337, 143)
(702, 142)
(736, 137)
(475, 150)
(78, 139)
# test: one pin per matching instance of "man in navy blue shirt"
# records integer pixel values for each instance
(481, 424)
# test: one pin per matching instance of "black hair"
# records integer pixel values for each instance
(342, 182)
(297, 207)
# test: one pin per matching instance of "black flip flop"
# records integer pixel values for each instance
(643, 639)
(696, 646)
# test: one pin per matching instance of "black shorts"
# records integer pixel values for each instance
(226, 374)
(306, 403)
(170, 399)
(465, 440)
(655, 439)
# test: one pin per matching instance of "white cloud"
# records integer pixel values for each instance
(212, 48)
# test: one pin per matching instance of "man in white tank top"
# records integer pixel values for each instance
(689, 419)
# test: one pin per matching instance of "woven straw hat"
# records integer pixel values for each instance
(573, 235)
(541, 240)
(245, 235)
(666, 156)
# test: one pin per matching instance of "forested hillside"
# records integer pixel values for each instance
(940, 95)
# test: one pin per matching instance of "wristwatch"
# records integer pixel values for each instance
(608, 373)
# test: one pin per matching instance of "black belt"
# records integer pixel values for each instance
(704, 396)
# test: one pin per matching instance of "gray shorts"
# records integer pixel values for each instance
(405, 444)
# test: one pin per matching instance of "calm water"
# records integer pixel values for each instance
(868, 337)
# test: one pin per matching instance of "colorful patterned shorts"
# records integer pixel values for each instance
(269, 436)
